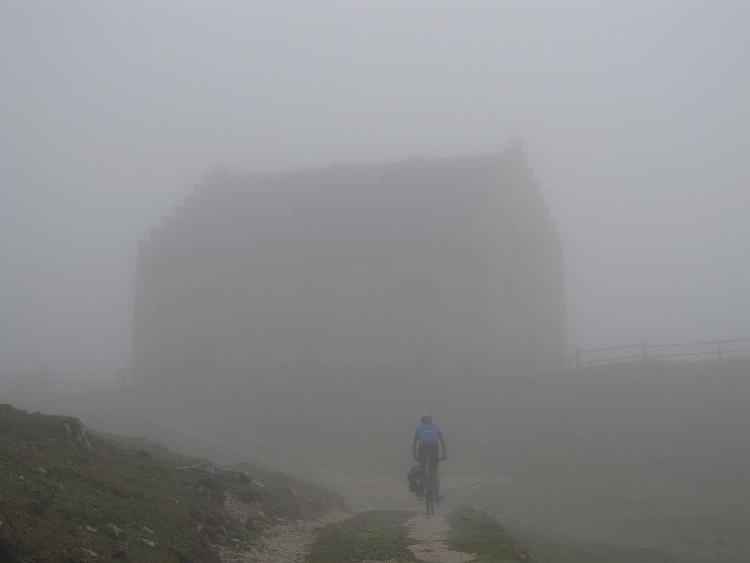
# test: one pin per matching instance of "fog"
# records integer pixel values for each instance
(634, 117)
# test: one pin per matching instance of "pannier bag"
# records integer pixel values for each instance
(415, 478)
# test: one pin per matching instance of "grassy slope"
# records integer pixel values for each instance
(60, 487)
(476, 532)
(382, 536)
(610, 459)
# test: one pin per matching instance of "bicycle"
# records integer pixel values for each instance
(429, 487)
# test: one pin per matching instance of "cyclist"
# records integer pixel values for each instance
(425, 446)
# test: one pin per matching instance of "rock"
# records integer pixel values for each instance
(91, 530)
(146, 542)
(225, 473)
(41, 470)
(113, 530)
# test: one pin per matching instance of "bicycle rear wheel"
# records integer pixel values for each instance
(429, 492)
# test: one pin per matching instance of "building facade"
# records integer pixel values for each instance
(427, 266)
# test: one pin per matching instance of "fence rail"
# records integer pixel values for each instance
(719, 349)
(110, 380)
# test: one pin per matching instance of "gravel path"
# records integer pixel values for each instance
(289, 541)
(430, 531)
(286, 541)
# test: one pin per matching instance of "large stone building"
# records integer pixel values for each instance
(426, 266)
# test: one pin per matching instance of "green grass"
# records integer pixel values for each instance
(382, 536)
(375, 535)
(477, 532)
(60, 486)
(640, 457)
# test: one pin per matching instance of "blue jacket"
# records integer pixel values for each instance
(428, 433)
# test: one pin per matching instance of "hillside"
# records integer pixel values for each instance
(620, 462)
(69, 495)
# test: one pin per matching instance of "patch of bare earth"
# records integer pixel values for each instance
(431, 533)
(281, 541)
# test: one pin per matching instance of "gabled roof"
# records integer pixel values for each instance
(404, 207)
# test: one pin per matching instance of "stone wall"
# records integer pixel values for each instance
(424, 267)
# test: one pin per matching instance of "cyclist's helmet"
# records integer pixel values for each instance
(426, 419)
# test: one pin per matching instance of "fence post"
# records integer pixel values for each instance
(718, 349)
(644, 347)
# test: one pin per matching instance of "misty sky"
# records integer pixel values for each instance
(635, 117)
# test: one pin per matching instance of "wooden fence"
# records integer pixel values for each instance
(43, 381)
(718, 349)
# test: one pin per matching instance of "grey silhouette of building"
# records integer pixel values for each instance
(422, 267)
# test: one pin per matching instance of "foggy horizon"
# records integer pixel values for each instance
(633, 116)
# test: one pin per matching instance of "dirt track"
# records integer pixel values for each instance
(430, 531)
(286, 542)
(289, 541)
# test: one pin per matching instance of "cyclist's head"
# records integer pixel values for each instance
(426, 419)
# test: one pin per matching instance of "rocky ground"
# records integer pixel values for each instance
(282, 540)
(288, 541)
